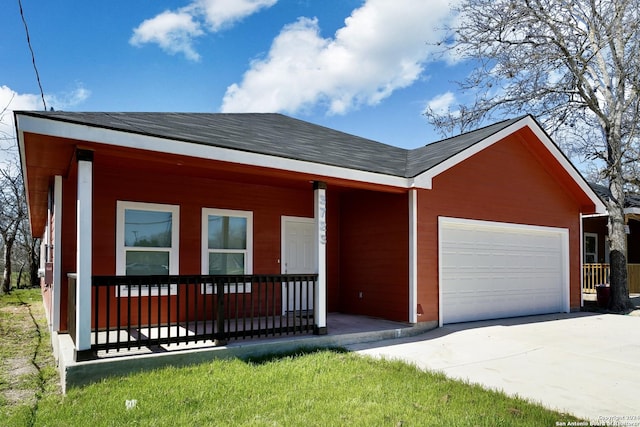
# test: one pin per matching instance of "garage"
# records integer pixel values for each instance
(491, 270)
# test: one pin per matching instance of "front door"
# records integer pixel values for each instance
(298, 257)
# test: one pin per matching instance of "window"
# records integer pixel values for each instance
(147, 242)
(590, 248)
(227, 243)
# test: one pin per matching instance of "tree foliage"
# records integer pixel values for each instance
(574, 64)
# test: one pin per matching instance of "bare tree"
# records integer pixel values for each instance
(574, 64)
(13, 212)
(28, 253)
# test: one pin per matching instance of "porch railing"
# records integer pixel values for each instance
(595, 274)
(145, 311)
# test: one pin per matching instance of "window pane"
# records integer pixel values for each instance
(227, 232)
(147, 228)
(221, 263)
(590, 244)
(141, 263)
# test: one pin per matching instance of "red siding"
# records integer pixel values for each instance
(502, 183)
(193, 194)
(69, 192)
(375, 254)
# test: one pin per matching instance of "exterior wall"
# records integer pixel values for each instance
(193, 194)
(502, 183)
(334, 253)
(374, 278)
(68, 235)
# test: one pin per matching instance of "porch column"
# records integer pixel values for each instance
(581, 231)
(57, 252)
(320, 297)
(413, 255)
(83, 249)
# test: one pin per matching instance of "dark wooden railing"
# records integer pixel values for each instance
(146, 311)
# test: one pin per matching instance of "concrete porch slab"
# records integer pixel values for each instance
(343, 330)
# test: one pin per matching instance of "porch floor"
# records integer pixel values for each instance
(343, 329)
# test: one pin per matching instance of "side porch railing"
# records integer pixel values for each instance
(596, 274)
(146, 311)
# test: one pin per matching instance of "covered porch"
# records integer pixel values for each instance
(356, 236)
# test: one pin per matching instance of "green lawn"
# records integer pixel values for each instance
(322, 388)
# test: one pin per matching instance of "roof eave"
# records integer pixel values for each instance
(113, 137)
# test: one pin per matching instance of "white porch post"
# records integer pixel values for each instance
(581, 231)
(413, 256)
(57, 252)
(83, 261)
(320, 297)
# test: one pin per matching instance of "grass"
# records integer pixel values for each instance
(319, 388)
(27, 368)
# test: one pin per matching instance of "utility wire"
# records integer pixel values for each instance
(33, 56)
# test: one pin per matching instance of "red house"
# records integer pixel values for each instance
(161, 227)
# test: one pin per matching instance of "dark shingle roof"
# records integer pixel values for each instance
(630, 200)
(424, 158)
(282, 136)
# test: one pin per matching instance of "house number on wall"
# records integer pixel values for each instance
(322, 220)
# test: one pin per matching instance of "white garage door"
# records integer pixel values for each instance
(492, 270)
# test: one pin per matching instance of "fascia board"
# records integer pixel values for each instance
(23, 162)
(566, 164)
(153, 143)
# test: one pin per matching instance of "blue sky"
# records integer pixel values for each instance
(360, 66)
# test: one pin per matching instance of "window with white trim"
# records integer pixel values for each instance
(227, 244)
(147, 243)
(590, 248)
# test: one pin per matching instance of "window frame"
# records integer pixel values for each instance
(248, 251)
(121, 249)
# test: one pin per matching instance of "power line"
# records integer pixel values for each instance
(33, 56)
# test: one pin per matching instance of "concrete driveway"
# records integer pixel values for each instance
(580, 363)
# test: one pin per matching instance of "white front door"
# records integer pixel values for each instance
(298, 257)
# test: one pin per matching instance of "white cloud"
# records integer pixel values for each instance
(175, 31)
(11, 101)
(172, 31)
(223, 13)
(440, 104)
(382, 47)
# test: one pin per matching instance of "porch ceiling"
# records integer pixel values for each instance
(43, 157)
